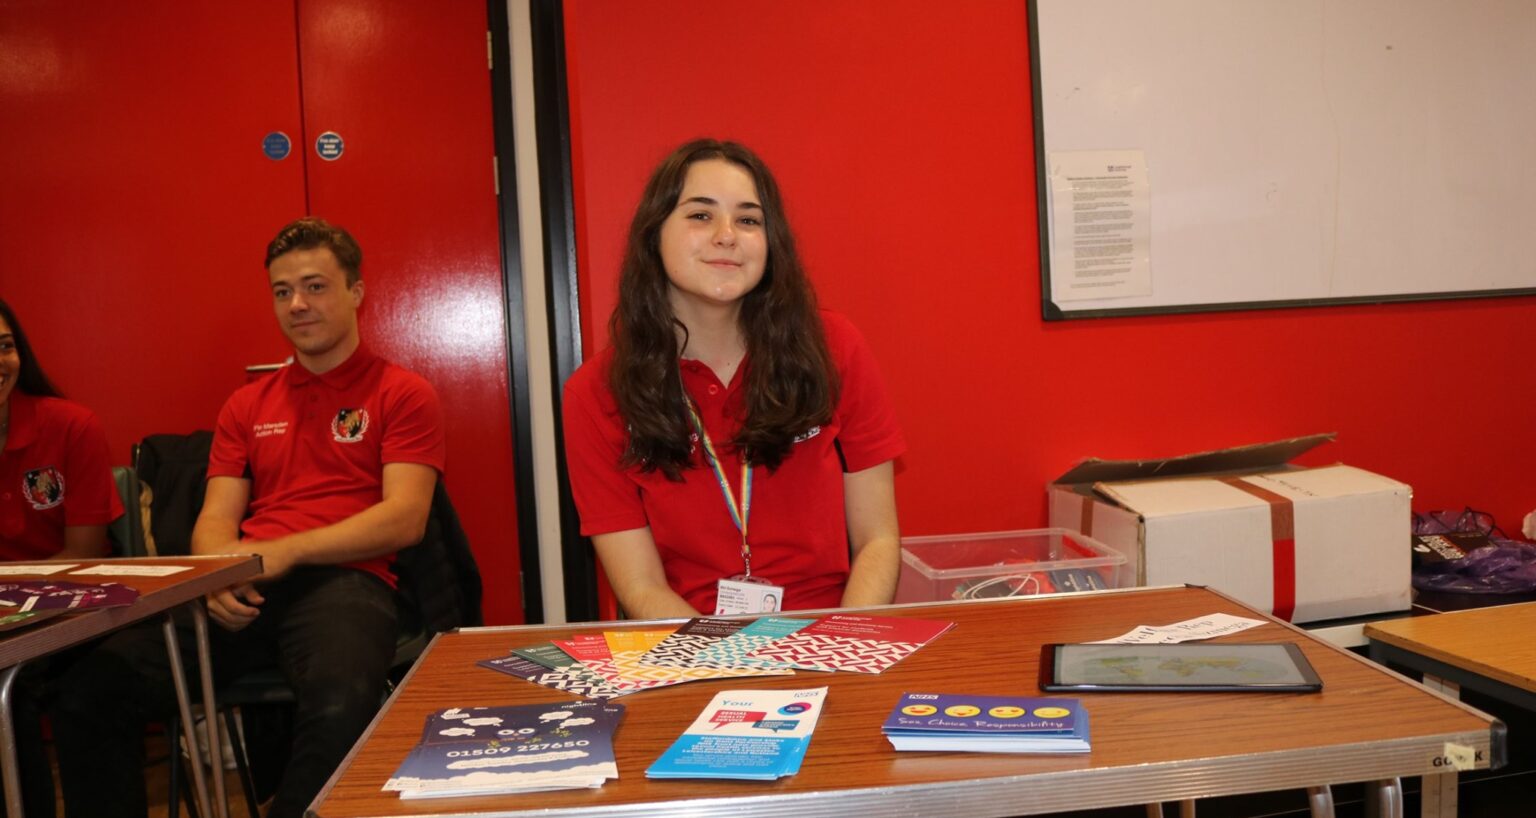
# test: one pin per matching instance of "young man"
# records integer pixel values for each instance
(324, 469)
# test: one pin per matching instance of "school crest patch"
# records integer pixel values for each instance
(349, 425)
(43, 488)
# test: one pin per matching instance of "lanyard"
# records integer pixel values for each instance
(739, 512)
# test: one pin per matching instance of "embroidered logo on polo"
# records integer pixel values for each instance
(349, 425)
(809, 433)
(43, 488)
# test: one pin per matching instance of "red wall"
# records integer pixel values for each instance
(901, 132)
(136, 206)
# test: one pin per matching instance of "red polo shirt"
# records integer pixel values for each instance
(56, 471)
(314, 446)
(797, 529)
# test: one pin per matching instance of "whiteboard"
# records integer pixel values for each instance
(1301, 151)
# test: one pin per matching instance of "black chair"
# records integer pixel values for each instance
(439, 585)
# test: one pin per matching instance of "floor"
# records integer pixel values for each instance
(157, 780)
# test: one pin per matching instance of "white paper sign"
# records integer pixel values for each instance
(1190, 630)
(133, 570)
(35, 568)
(1101, 234)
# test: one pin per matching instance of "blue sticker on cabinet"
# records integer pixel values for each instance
(329, 146)
(276, 146)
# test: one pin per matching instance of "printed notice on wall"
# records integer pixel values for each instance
(1100, 236)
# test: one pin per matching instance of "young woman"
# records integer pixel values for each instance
(56, 488)
(732, 451)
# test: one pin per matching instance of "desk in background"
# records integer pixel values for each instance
(156, 595)
(1367, 725)
(1489, 650)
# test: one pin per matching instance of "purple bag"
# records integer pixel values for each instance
(1502, 566)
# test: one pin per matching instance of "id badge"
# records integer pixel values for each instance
(747, 595)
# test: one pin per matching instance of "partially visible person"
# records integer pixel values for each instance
(324, 469)
(56, 498)
(56, 490)
(732, 451)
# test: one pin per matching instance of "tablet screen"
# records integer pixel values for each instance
(1269, 667)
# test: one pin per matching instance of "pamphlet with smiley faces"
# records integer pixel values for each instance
(992, 724)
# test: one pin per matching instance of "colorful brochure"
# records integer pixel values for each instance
(759, 735)
(39, 595)
(627, 647)
(571, 679)
(591, 649)
(523, 748)
(987, 724)
(732, 651)
(684, 644)
(862, 644)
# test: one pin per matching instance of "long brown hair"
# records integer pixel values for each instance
(31, 379)
(791, 384)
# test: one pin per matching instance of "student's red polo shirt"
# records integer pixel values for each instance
(314, 446)
(56, 471)
(797, 528)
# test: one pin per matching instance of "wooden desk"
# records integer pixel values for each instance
(156, 595)
(1489, 650)
(1367, 725)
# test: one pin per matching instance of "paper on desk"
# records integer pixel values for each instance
(133, 570)
(1189, 630)
(35, 569)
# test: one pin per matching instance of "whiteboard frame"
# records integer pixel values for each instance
(1051, 311)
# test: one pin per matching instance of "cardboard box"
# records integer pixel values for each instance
(1305, 544)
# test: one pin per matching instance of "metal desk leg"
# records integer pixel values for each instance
(184, 706)
(1439, 798)
(211, 709)
(1320, 799)
(9, 770)
(1384, 799)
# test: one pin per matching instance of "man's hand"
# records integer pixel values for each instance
(277, 557)
(234, 608)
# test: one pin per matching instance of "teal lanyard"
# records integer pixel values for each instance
(739, 512)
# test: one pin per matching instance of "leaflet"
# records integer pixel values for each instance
(994, 724)
(863, 644)
(573, 678)
(758, 735)
(523, 748)
(681, 647)
(732, 651)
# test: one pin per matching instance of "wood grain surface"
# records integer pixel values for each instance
(156, 594)
(1366, 724)
(1494, 642)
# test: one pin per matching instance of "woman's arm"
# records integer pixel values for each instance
(83, 542)
(634, 570)
(869, 498)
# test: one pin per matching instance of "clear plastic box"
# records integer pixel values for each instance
(1005, 563)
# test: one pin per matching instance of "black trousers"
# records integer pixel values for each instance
(331, 630)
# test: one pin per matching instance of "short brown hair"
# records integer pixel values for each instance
(311, 232)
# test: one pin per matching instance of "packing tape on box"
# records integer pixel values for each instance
(1282, 528)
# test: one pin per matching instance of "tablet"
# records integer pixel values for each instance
(1276, 667)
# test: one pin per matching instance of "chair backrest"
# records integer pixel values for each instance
(176, 469)
(126, 533)
(438, 576)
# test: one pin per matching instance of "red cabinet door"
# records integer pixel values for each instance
(136, 199)
(405, 86)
